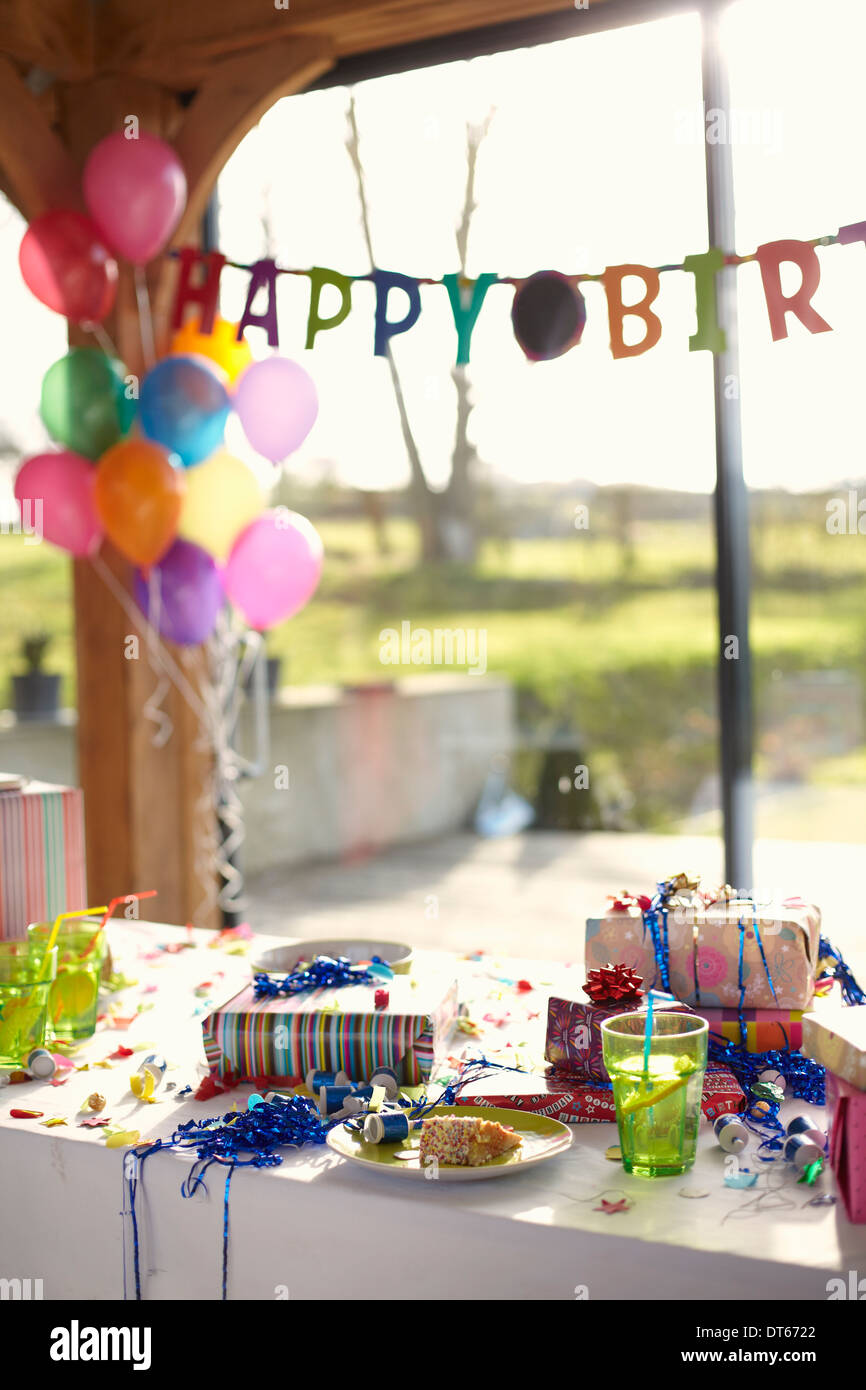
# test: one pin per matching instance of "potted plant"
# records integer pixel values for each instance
(36, 693)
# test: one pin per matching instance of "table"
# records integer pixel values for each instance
(320, 1228)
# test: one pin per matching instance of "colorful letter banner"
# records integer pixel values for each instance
(548, 312)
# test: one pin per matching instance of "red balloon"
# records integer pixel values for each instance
(68, 267)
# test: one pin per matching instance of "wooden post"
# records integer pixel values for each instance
(150, 812)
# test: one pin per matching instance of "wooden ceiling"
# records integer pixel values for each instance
(176, 42)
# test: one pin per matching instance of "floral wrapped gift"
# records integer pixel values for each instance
(714, 950)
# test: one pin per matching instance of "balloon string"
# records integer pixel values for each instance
(145, 318)
(160, 653)
(153, 705)
(102, 338)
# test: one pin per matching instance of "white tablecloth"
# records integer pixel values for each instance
(320, 1227)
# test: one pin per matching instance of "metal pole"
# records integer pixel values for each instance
(731, 500)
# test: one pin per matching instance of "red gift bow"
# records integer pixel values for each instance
(613, 984)
(624, 901)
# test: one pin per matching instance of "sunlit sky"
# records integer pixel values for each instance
(594, 157)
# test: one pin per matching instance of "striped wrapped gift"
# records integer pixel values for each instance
(767, 1030)
(334, 1030)
(42, 865)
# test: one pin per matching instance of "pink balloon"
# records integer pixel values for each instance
(277, 405)
(274, 567)
(55, 495)
(135, 191)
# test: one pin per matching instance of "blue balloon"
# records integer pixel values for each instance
(184, 406)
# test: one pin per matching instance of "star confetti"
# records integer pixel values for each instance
(94, 1122)
(54, 1120)
(610, 1208)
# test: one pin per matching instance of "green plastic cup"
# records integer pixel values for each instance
(74, 997)
(658, 1107)
(23, 1000)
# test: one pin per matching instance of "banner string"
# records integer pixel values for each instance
(731, 258)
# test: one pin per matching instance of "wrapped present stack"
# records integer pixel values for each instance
(574, 1044)
(836, 1037)
(750, 969)
(42, 868)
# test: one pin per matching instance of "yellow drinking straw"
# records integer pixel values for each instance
(52, 939)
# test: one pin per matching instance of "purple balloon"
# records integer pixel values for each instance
(277, 405)
(188, 594)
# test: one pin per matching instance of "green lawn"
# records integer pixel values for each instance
(621, 656)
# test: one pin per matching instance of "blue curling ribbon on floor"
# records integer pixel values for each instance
(851, 991)
(325, 972)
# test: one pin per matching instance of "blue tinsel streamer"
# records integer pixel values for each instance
(805, 1078)
(325, 972)
(242, 1138)
(851, 991)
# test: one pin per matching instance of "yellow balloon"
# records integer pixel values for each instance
(222, 497)
(221, 346)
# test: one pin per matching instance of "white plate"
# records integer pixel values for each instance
(281, 959)
(542, 1137)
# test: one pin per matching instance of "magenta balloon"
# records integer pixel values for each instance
(136, 192)
(55, 495)
(274, 567)
(188, 594)
(277, 405)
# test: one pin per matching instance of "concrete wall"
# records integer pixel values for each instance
(367, 768)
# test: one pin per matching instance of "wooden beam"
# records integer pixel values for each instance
(146, 816)
(178, 44)
(235, 96)
(55, 35)
(37, 168)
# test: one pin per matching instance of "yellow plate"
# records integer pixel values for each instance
(543, 1138)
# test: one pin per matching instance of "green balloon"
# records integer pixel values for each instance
(84, 404)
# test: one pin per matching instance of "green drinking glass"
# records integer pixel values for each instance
(81, 946)
(25, 987)
(658, 1093)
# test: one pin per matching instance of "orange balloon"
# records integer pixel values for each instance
(221, 346)
(138, 496)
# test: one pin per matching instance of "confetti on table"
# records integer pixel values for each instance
(52, 1121)
(121, 1139)
(610, 1208)
(94, 1122)
(741, 1179)
(26, 1114)
(119, 1053)
(58, 1081)
(524, 986)
(614, 1153)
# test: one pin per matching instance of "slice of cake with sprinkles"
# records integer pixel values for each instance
(461, 1141)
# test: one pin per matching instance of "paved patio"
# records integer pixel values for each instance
(529, 895)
